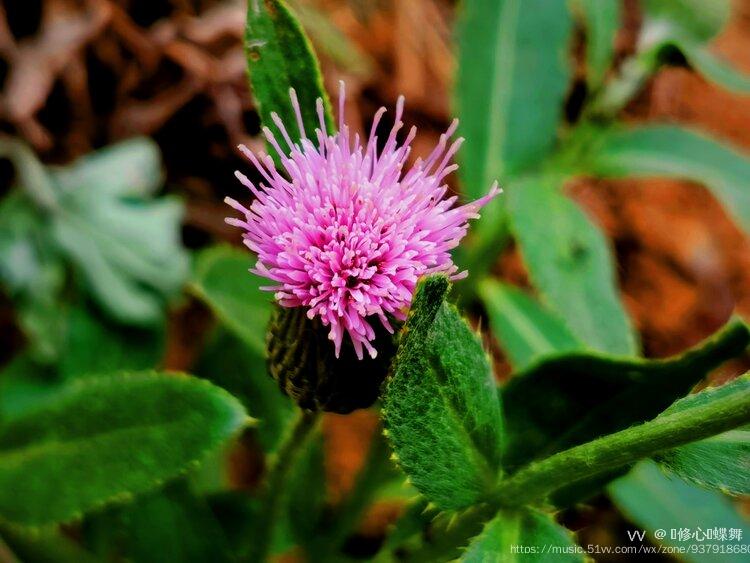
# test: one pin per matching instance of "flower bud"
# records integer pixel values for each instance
(302, 359)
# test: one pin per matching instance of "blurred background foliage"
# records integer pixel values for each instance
(619, 130)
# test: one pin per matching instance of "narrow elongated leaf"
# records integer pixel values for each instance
(665, 150)
(721, 462)
(714, 67)
(602, 20)
(507, 532)
(596, 394)
(653, 501)
(700, 20)
(440, 407)
(222, 280)
(525, 329)
(232, 364)
(334, 43)
(513, 74)
(570, 263)
(687, 26)
(280, 57)
(106, 439)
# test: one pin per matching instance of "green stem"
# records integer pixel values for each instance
(273, 493)
(617, 450)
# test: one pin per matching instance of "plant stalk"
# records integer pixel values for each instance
(541, 478)
(277, 478)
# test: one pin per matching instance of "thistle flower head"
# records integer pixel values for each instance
(345, 231)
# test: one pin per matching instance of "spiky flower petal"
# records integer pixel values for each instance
(346, 232)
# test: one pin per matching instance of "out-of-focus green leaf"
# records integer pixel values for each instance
(172, 524)
(495, 85)
(25, 384)
(232, 364)
(700, 20)
(570, 263)
(665, 150)
(129, 168)
(559, 402)
(440, 407)
(99, 214)
(128, 253)
(42, 546)
(509, 530)
(332, 41)
(305, 497)
(653, 501)
(31, 273)
(687, 26)
(106, 439)
(525, 329)
(513, 73)
(721, 462)
(714, 68)
(280, 57)
(95, 345)
(602, 20)
(237, 513)
(222, 280)
(372, 483)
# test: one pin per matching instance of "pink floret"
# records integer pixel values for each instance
(346, 233)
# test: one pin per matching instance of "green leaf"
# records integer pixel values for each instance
(687, 26)
(42, 546)
(99, 214)
(714, 68)
(221, 279)
(106, 439)
(440, 407)
(232, 364)
(513, 74)
(377, 475)
(32, 274)
(525, 529)
(653, 501)
(700, 20)
(565, 400)
(570, 263)
(721, 462)
(129, 168)
(719, 411)
(333, 43)
(524, 328)
(95, 345)
(172, 524)
(665, 150)
(280, 57)
(305, 497)
(602, 21)
(125, 245)
(24, 384)
(128, 253)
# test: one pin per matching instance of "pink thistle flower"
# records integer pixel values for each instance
(346, 232)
